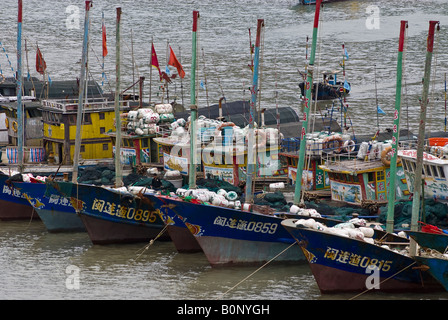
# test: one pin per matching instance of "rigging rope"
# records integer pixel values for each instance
(264, 265)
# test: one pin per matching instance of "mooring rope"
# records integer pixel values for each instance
(151, 242)
(250, 275)
(385, 280)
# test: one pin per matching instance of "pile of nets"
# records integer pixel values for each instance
(105, 175)
(435, 213)
(275, 200)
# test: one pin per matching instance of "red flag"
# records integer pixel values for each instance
(41, 66)
(104, 41)
(173, 62)
(155, 61)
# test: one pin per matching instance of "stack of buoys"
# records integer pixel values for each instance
(143, 121)
(165, 112)
(355, 228)
(220, 198)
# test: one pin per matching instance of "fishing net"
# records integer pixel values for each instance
(435, 213)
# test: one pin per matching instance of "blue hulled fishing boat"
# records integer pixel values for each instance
(233, 237)
(349, 262)
(113, 215)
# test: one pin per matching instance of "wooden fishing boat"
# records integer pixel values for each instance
(114, 216)
(432, 238)
(435, 166)
(356, 180)
(343, 264)
(329, 88)
(332, 256)
(54, 210)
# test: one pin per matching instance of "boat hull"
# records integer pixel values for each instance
(437, 267)
(53, 209)
(434, 241)
(182, 238)
(104, 232)
(235, 237)
(110, 216)
(13, 204)
(342, 264)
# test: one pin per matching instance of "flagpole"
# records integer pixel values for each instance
(250, 168)
(19, 90)
(118, 174)
(308, 84)
(102, 30)
(193, 106)
(396, 131)
(81, 94)
(421, 134)
(181, 82)
(150, 71)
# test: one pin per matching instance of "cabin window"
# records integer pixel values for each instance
(412, 166)
(371, 176)
(102, 130)
(72, 119)
(355, 178)
(404, 165)
(83, 148)
(87, 118)
(105, 146)
(428, 172)
(145, 143)
(102, 115)
(442, 173)
(380, 175)
(435, 171)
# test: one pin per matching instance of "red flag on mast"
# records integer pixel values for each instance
(41, 66)
(173, 62)
(155, 61)
(104, 40)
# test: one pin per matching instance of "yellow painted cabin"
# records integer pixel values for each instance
(59, 128)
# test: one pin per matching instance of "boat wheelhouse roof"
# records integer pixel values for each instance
(352, 166)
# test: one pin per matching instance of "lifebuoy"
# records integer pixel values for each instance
(7, 123)
(14, 126)
(349, 146)
(326, 143)
(385, 157)
(222, 125)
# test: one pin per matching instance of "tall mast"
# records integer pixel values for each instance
(396, 131)
(118, 174)
(253, 105)
(193, 106)
(81, 93)
(421, 134)
(308, 85)
(19, 90)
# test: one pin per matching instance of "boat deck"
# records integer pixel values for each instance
(352, 166)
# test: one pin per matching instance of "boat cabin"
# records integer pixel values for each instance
(361, 180)
(59, 128)
(435, 166)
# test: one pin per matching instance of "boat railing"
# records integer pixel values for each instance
(433, 146)
(70, 105)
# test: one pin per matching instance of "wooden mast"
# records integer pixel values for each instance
(19, 90)
(118, 173)
(81, 93)
(193, 106)
(253, 103)
(308, 85)
(421, 135)
(396, 131)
